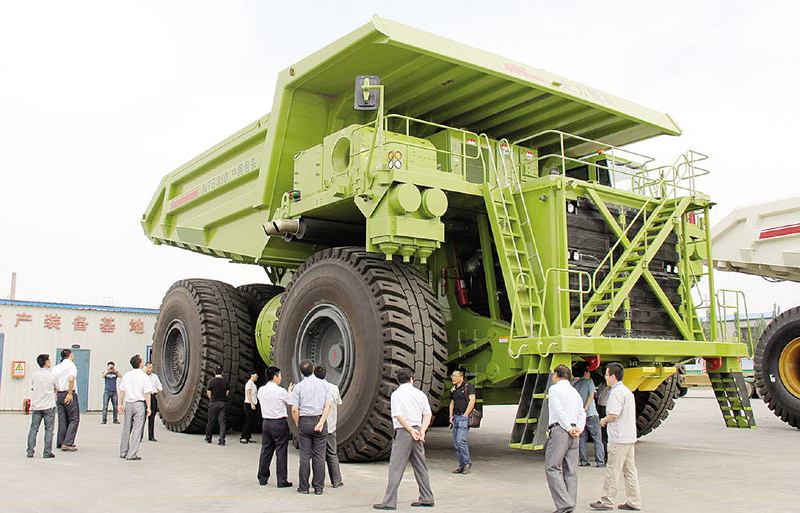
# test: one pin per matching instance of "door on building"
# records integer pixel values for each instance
(82, 363)
(148, 354)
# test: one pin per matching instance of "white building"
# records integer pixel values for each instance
(96, 334)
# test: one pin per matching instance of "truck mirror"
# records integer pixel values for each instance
(366, 98)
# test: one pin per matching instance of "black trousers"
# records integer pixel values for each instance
(249, 418)
(217, 413)
(312, 447)
(601, 411)
(274, 440)
(69, 416)
(151, 420)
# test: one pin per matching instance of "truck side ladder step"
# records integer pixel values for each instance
(530, 424)
(734, 402)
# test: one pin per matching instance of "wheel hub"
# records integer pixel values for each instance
(175, 356)
(789, 367)
(326, 337)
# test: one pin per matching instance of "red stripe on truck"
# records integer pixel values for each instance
(779, 231)
(184, 198)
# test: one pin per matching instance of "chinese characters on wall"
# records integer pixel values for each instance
(79, 323)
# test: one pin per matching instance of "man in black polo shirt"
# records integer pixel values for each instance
(462, 402)
(217, 393)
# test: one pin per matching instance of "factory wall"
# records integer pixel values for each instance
(99, 334)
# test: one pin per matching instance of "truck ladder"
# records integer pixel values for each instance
(516, 248)
(731, 393)
(530, 424)
(624, 274)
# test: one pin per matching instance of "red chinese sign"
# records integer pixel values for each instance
(107, 325)
(52, 321)
(79, 323)
(137, 326)
(23, 317)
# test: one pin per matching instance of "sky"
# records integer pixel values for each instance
(100, 100)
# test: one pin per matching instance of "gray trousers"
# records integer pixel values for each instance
(561, 463)
(405, 449)
(312, 447)
(49, 418)
(332, 459)
(69, 415)
(132, 429)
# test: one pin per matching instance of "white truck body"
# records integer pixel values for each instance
(761, 239)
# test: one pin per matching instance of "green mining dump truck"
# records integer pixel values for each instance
(419, 203)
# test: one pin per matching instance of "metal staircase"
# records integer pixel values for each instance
(610, 294)
(530, 424)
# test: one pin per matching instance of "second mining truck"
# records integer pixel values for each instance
(763, 239)
(419, 203)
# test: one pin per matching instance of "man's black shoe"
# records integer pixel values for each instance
(152, 440)
(287, 484)
(29, 455)
(418, 504)
(49, 455)
(262, 483)
(208, 440)
(221, 442)
(302, 491)
(383, 506)
(317, 492)
(337, 485)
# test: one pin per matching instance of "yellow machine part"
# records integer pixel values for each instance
(646, 379)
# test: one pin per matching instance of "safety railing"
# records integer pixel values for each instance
(669, 182)
(469, 141)
(583, 278)
(734, 301)
(628, 168)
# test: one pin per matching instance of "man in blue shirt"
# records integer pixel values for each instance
(587, 390)
(110, 392)
(311, 402)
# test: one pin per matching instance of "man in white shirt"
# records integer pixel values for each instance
(331, 451)
(134, 402)
(567, 418)
(250, 404)
(273, 399)
(69, 411)
(155, 384)
(620, 420)
(43, 406)
(311, 403)
(411, 416)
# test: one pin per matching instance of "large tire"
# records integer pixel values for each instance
(201, 324)
(255, 296)
(653, 407)
(778, 384)
(363, 317)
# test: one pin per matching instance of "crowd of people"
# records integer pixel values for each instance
(576, 410)
(54, 392)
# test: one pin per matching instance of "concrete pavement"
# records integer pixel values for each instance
(690, 463)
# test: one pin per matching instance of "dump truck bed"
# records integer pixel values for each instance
(216, 203)
(761, 239)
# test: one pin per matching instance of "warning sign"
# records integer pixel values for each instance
(18, 369)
